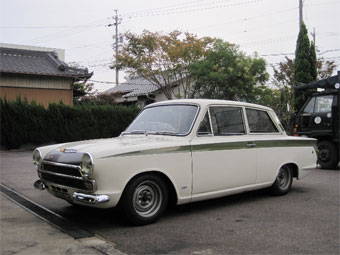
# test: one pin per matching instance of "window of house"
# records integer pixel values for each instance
(260, 122)
(227, 120)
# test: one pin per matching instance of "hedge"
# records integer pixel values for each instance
(29, 123)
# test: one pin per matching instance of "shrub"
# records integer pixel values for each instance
(29, 123)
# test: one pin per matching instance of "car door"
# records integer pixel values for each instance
(267, 140)
(223, 156)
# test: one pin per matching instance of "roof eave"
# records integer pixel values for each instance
(84, 76)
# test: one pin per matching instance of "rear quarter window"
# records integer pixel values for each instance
(259, 121)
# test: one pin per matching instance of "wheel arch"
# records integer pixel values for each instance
(295, 169)
(293, 166)
(173, 196)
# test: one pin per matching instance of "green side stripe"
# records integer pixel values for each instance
(259, 144)
(217, 147)
(175, 149)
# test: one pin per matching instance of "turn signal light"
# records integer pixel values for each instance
(295, 130)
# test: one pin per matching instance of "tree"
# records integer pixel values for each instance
(284, 80)
(313, 62)
(325, 68)
(305, 65)
(162, 59)
(81, 89)
(284, 77)
(227, 73)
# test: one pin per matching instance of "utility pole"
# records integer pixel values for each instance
(117, 21)
(300, 13)
(313, 34)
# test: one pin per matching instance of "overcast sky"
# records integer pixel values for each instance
(268, 27)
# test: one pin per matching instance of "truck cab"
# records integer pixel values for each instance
(319, 118)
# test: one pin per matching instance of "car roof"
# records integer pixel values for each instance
(206, 102)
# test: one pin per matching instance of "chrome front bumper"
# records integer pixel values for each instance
(90, 199)
(79, 197)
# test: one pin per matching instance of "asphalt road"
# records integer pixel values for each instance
(306, 221)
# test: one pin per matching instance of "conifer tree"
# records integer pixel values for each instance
(304, 66)
(313, 61)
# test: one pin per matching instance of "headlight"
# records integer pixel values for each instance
(87, 165)
(37, 157)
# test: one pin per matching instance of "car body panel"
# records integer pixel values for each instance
(198, 167)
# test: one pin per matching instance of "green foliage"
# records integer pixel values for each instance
(101, 99)
(284, 78)
(302, 57)
(82, 89)
(227, 73)
(304, 66)
(313, 62)
(162, 59)
(23, 123)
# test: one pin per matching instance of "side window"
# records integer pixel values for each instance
(205, 128)
(319, 104)
(323, 103)
(227, 120)
(310, 106)
(260, 122)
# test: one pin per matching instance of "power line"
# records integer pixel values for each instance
(106, 82)
(68, 32)
(196, 8)
(39, 27)
(248, 19)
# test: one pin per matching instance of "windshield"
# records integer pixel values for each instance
(164, 120)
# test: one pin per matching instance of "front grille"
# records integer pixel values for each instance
(61, 169)
(66, 181)
(67, 175)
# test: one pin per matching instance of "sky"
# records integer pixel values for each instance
(82, 27)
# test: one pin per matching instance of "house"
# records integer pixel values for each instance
(139, 91)
(38, 74)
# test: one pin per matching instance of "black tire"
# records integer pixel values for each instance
(144, 199)
(283, 181)
(328, 156)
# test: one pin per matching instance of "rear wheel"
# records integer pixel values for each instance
(328, 155)
(283, 181)
(144, 199)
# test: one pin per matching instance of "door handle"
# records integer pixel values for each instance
(251, 145)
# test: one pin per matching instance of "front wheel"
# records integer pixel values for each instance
(283, 181)
(144, 199)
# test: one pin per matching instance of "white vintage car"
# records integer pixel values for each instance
(181, 150)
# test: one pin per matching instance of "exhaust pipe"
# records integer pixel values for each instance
(39, 185)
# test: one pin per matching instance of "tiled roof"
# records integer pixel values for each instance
(32, 62)
(135, 86)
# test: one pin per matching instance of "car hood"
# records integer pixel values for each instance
(122, 145)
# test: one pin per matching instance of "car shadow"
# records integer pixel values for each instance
(98, 219)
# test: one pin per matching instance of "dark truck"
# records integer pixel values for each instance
(319, 118)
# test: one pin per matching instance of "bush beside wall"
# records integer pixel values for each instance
(29, 123)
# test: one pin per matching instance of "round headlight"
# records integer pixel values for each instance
(37, 157)
(87, 165)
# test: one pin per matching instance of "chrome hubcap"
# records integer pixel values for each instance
(147, 198)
